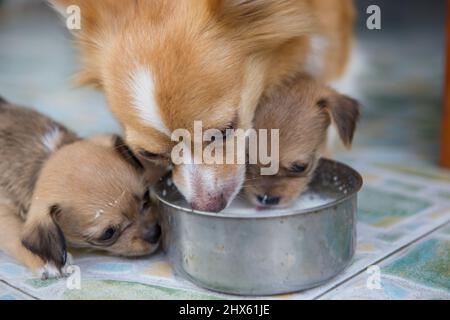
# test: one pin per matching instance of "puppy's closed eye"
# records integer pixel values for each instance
(104, 238)
(152, 156)
(108, 234)
(298, 168)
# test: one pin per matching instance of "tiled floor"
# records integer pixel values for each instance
(404, 210)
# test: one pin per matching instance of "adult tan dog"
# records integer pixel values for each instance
(164, 64)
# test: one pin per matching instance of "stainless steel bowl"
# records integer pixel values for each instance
(265, 253)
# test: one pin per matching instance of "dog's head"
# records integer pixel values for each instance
(165, 64)
(302, 110)
(93, 194)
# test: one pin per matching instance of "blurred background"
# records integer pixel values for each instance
(402, 85)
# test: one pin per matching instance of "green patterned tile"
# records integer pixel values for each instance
(381, 209)
(425, 171)
(444, 195)
(9, 293)
(112, 289)
(390, 237)
(446, 230)
(39, 283)
(403, 185)
(427, 263)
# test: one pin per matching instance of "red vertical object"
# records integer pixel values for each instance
(445, 139)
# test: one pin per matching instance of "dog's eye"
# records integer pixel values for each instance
(151, 156)
(298, 168)
(108, 234)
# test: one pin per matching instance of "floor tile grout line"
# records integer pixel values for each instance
(395, 251)
(18, 289)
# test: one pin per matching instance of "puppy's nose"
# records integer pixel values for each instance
(268, 200)
(213, 205)
(153, 234)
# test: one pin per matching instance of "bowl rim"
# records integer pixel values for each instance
(267, 213)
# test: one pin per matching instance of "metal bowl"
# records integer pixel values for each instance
(264, 253)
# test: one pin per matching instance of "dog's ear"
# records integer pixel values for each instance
(344, 112)
(264, 23)
(44, 238)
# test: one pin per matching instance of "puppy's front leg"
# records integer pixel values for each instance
(11, 227)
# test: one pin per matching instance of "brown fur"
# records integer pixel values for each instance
(302, 110)
(211, 60)
(10, 240)
(70, 194)
(21, 131)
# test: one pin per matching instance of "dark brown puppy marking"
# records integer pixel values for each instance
(345, 112)
(46, 240)
(126, 153)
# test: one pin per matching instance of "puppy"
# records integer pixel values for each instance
(302, 110)
(58, 189)
(165, 64)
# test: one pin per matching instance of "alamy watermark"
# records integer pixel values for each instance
(73, 280)
(374, 20)
(73, 18)
(232, 146)
(374, 279)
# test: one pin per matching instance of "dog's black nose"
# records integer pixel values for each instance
(153, 234)
(268, 200)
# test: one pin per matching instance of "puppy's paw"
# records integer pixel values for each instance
(50, 271)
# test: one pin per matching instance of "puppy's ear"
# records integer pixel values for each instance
(44, 238)
(264, 23)
(344, 112)
(126, 154)
(151, 171)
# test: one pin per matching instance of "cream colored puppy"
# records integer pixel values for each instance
(303, 110)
